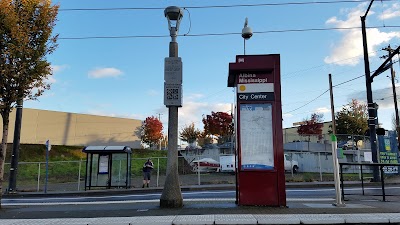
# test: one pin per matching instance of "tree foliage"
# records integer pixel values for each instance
(218, 124)
(189, 134)
(152, 131)
(352, 118)
(26, 28)
(311, 126)
(204, 139)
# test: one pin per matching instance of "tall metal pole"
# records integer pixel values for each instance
(371, 105)
(392, 73)
(12, 184)
(171, 196)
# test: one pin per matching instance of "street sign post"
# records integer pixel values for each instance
(48, 148)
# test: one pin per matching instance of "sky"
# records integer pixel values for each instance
(123, 76)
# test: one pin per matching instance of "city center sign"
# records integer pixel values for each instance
(258, 124)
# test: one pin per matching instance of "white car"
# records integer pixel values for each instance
(205, 165)
(290, 164)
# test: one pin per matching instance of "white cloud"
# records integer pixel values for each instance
(104, 72)
(287, 115)
(193, 112)
(383, 97)
(50, 79)
(58, 68)
(323, 110)
(350, 46)
(55, 69)
(392, 12)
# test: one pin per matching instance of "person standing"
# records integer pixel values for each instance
(147, 168)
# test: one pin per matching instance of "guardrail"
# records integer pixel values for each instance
(382, 180)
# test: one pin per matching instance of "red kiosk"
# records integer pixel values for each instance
(260, 171)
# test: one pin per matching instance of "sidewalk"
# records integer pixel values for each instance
(357, 209)
(387, 218)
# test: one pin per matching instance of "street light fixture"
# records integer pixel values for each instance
(171, 196)
(174, 15)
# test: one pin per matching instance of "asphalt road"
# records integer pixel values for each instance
(196, 202)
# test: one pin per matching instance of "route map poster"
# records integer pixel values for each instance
(256, 142)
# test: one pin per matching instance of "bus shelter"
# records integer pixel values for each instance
(107, 167)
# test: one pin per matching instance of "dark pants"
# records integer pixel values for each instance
(146, 175)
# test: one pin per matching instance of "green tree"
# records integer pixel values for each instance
(352, 118)
(26, 28)
(152, 131)
(189, 134)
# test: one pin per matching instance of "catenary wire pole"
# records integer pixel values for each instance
(392, 76)
(371, 106)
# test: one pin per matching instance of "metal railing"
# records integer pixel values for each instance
(382, 175)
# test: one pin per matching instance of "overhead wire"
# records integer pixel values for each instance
(308, 102)
(220, 6)
(222, 34)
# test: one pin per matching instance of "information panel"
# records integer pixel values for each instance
(103, 164)
(257, 149)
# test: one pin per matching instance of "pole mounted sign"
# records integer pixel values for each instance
(173, 81)
(260, 172)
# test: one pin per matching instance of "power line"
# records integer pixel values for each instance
(307, 102)
(221, 34)
(349, 80)
(220, 6)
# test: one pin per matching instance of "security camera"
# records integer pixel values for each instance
(247, 32)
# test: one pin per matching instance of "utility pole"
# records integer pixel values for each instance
(371, 105)
(332, 106)
(392, 73)
(336, 176)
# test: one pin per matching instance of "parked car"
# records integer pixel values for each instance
(345, 145)
(290, 164)
(205, 165)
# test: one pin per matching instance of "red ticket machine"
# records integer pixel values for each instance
(260, 169)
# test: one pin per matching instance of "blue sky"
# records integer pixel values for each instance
(124, 77)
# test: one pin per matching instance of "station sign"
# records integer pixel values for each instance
(260, 174)
(260, 96)
(254, 86)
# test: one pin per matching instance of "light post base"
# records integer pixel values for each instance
(171, 203)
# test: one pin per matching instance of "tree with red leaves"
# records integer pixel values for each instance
(152, 131)
(218, 124)
(312, 126)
